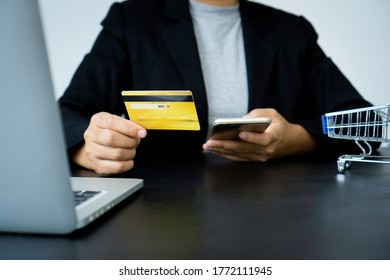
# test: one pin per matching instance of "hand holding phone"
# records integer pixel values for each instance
(228, 128)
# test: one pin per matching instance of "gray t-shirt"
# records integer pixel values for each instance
(218, 31)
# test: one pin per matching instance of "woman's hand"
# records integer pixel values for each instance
(280, 139)
(110, 144)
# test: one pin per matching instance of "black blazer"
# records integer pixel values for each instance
(150, 45)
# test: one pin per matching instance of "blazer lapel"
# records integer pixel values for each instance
(260, 54)
(179, 37)
(260, 50)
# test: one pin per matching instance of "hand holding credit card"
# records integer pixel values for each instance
(162, 110)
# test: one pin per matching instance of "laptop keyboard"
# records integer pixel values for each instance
(82, 196)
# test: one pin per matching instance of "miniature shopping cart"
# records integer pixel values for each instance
(363, 125)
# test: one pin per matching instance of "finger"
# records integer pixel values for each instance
(266, 112)
(240, 156)
(263, 139)
(112, 138)
(121, 125)
(238, 150)
(109, 153)
(232, 155)
(214, 144)
(229, 156)
(228, 145)
(108, 167)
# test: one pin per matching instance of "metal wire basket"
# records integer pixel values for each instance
(364, 125)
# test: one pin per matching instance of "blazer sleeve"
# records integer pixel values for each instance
(98, 81)
(329, 91)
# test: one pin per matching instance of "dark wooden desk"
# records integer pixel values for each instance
(214, 209)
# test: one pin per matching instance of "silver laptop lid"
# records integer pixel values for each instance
(35, 192)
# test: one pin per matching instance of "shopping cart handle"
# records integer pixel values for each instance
(324, 125)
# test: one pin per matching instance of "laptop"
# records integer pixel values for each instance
(37, 192)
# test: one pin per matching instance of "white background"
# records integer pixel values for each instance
(354, 33)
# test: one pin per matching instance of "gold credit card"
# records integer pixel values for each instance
(164, 110)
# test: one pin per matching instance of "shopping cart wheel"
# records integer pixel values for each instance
(343, 165)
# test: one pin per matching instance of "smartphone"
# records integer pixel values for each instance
(228, 128)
